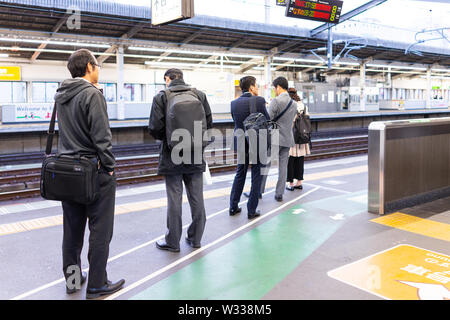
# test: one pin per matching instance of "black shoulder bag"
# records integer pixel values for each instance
(67, 177)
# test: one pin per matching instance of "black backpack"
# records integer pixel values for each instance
(184, 108)
(302, 128)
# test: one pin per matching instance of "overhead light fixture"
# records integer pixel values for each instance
(295, 59)
(191, 52)
(440, 70)
(189, 65)
(177, 58)
(60, 43)
(396, 67)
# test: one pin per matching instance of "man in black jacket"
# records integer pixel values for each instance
(84, 130)
(191, 172)
(240, 110)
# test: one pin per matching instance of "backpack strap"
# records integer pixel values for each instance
(284, 111)
(51, 132)
(252, 102)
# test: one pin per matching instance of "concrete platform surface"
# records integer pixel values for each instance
(320, 243)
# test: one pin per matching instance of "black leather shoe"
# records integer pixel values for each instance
(83, 280)
(279, 198)
(165, 246)
(235, 211)
(108, 288)
(290, 188)
(298, 187)
(192, 244)
(247, 194)
(256, 214)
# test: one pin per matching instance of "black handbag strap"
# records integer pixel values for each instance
(51, 132)
(284, 111)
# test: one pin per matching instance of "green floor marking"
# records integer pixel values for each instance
(252, 264)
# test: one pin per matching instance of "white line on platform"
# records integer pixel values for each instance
(62, 280)
(196, 252)
(123, 192)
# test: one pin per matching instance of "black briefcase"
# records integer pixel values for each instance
(68, 178)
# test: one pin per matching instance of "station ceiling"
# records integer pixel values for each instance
(31, 25)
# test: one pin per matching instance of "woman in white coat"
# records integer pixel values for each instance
(298, 152)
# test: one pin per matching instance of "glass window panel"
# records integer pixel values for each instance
(38, 91)
(137, 92)
(50, 91)
(110, 92)
(128, 92)
(19, 92)
(5, 92)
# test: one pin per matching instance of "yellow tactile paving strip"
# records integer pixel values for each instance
(51, 221)
(425, 227)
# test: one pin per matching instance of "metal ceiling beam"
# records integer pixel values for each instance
(347, 16)
(238, 44)
(249, 65)
(192, 37)
(128, 35)
(55, 29)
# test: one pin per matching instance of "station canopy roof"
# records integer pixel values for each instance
(33, 30)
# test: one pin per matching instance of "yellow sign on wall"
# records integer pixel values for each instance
(403, 272)
(10, 73)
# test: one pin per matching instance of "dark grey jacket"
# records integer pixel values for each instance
(157, 128)
(83, 122)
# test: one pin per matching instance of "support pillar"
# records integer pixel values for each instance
(268, 78)
(428, 90)
(120, 84)
(362, 86)
(330, 49)
(267, 12)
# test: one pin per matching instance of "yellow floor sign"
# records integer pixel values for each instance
(403, 272)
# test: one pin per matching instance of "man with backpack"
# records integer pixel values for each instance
(181, 111)
(241, 111)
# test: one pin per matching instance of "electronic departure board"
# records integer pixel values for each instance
(317, 10)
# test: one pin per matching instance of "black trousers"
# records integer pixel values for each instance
(100, 215)
(238, 186)
(295, 168)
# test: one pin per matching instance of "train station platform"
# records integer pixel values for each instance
(320, 243)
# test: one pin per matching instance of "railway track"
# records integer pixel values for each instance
(24, 182)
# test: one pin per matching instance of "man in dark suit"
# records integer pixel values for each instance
(240, 110)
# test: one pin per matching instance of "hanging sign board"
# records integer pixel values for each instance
(167, 11)
(328, 11)
(9, 73)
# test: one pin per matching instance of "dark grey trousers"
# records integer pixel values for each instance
(194, 190)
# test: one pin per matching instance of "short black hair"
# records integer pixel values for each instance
(246, 82)
(282, 82)
(78, 62)
(173, 74)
